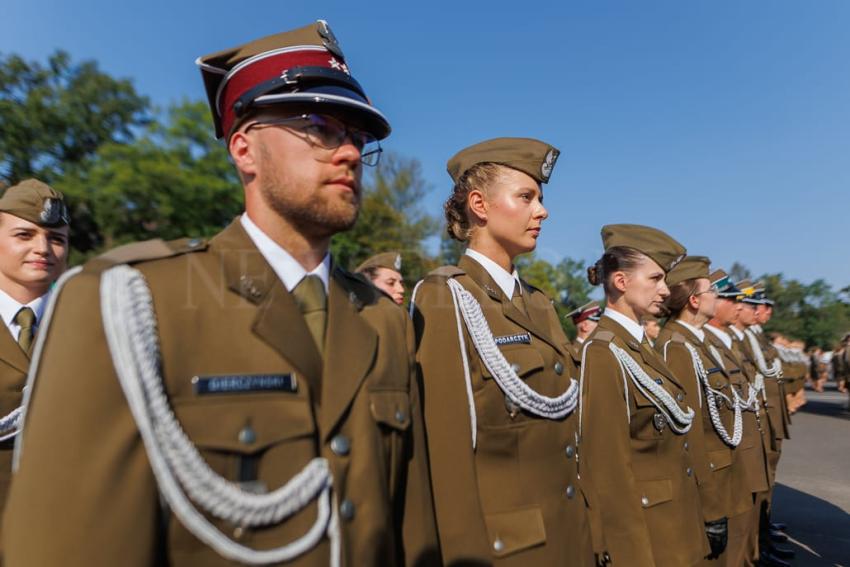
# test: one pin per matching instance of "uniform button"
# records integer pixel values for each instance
(606, 558)
(247, 435)
(571, 491)
(340, 445)
(498, 545)
(194, 243)
(680, 396)
(686, 445)
(238, 532)
(690, 471)
(659, 381)
(346, 509)
(400, 416)
(515, 368)
(559, 368)
(570, 451)
(644, 501)
(711, 466)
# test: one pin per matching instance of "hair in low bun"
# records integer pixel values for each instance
(615, 259)
(593, 273)
(479, 176)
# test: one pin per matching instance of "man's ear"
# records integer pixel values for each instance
(477, 204)
(242, 150)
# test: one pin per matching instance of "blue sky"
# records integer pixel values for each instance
(726, 123)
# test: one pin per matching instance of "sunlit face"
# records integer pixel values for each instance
(643, 288)
(391, 282)
(515, 212)
(706, 298)
(317, 190)
(747, 315)
(726, 311)
(31, 256)
(586, 327)
(761, 314)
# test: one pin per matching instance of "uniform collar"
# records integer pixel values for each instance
(287, 268)
(756, 328)
(634, 328)
(720, 334)
(698, 333)
(738, 333)
(506, 281)
(9, 307)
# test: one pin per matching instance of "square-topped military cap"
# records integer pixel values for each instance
(304, 68)
(527, 155)
(691, 268)
(721, 281)
(657, 244)
(37, 203)
(587, 311)
(389, 260)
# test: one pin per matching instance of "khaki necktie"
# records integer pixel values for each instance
(518, 300)
(25, 318)
(311, 299)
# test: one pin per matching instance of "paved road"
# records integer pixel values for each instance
(813, 482)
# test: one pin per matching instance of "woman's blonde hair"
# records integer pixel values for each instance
(479, 177)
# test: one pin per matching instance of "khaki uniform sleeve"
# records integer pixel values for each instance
(83, 460)
(460, 520)
(605, 459)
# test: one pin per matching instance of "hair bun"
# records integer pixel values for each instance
(593, 275)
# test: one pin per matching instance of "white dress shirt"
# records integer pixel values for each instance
(502, 277)
(634, 328)
(9, 308)
(697, 332)
(287, 268)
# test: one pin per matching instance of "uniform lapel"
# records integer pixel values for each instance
(640, 351)
(528, 322)
(350, 350)
(278, 321)
(11, 353)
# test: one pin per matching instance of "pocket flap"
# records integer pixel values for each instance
(514, 531)
(524, 358)
(654, 492)
(391, 408)
(720, 459)
(244, 425)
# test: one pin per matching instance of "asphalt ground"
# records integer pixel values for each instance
(812, 494)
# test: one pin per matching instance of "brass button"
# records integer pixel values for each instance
(644, 501)
(570, 451)
(346, 509)
(571, 491)
(247, 436)
(559, 368)
(340, 445)
(498, 545)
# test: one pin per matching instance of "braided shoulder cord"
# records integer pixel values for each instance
(712, 396)
(680, 421)
(775, 370)
(509, 382)
(181, 472)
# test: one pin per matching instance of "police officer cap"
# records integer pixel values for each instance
(527, 155)
(656, 244)
(36, 202)
(304, 69)
(691, 268)
(589, 310)
(721, 281)
(389, 260)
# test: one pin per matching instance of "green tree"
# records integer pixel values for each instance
(810, 312)
(565, 283)
(57, 115)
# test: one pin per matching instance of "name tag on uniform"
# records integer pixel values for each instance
(713, 370)
(245, 383)
(518, 339)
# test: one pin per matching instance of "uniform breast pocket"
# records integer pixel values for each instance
(524, 360)
(259, 440)
(647, 423)
(391, 411)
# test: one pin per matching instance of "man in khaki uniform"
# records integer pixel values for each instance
(384, 271)
(585, 319)
(241, 400)
(33, 254)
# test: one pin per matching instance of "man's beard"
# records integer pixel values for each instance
(318, 215)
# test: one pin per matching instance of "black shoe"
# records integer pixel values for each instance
(781, 552)
(768, 560)
(778, 537)
(778, 527)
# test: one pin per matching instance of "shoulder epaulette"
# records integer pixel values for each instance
(146, 251)
(603, 336)
(446, 272)
(678, 337)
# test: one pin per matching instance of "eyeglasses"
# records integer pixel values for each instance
(328, 133)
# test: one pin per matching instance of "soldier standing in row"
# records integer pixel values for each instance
(635, 415)
(384, 271)
(585, 319)
(499, 385)
(242, 400)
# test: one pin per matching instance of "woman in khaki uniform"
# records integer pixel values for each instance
(635, 414)
(499, 384)
(724, 491)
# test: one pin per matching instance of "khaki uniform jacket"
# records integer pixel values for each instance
(515, 499)
(642, 476)
(755, 445)
(723, 489)
(14, 364)
(85, 495)
(776, 387)
(771, 389)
